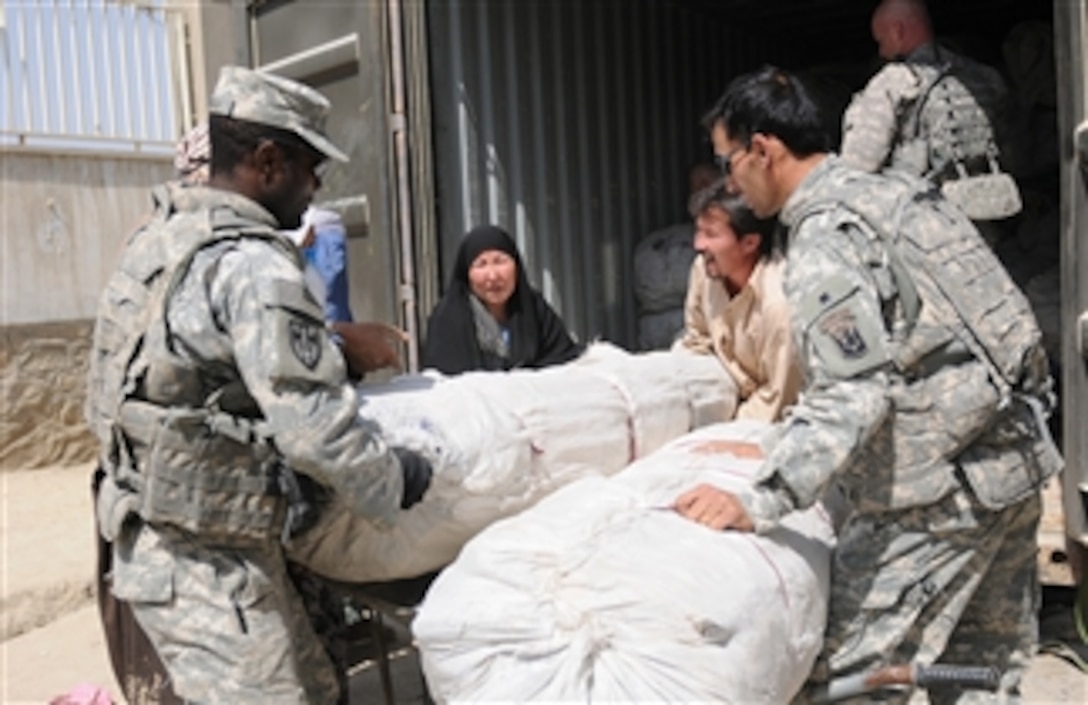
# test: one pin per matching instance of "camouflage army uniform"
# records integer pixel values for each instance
(233, 373)
(889, 124)
(923, 569)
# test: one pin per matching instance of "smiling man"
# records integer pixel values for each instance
(735, 306)
(925, 398)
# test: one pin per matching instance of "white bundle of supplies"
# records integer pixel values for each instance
(500, 441)
(601, 593)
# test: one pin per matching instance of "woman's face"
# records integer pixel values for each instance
(492, 276)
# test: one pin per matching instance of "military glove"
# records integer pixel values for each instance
(417, 475)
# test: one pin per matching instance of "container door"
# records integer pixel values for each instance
(1070, 26)
(339, 49)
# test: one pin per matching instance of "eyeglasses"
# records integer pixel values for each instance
(725, 161)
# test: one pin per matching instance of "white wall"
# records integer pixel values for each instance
(63, 219)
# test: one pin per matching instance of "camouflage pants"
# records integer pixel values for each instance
(952, 583)
(325, 608)
(228, 624)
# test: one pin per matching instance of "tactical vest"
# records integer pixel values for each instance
(938, 259)
(948, 138)
(172, 453)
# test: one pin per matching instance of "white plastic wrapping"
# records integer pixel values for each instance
(599, 594)
(499, 441)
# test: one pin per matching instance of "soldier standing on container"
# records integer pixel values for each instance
(926, 407)
(932, 113)
(212, 372)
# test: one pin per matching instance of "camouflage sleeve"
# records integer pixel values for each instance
(839, 332)
(296, 374)
(871, 121)
(696, 335)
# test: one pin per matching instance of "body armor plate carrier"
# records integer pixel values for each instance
(171, 454)
(933, 251)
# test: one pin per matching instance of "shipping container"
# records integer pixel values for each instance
(574, 124)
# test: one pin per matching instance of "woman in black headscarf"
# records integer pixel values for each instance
(491, 318)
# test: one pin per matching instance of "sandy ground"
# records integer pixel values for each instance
(52, 640)
(47, 544)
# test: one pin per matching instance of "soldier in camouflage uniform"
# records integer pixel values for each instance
(212, 372)
(929, 112)
(939, 459)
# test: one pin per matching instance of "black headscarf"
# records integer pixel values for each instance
(538, 337)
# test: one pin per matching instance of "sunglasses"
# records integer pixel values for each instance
(725, 161)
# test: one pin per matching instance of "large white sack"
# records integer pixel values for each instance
(499, 441)
(597, 594)
(668, 393)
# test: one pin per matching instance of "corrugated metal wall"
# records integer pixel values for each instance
(574, 125)
(1072, 73)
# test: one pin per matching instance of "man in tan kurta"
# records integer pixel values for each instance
(736, 308)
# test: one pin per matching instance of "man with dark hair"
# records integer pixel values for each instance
(925, 401)
(735, 306)
(212, 373)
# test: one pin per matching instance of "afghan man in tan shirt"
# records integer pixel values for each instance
(735, 305)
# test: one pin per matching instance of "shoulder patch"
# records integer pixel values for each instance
(841, 326)
(295, 325)
(306, 340)
(847, 338)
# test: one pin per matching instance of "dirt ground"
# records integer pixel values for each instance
(52, 641)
